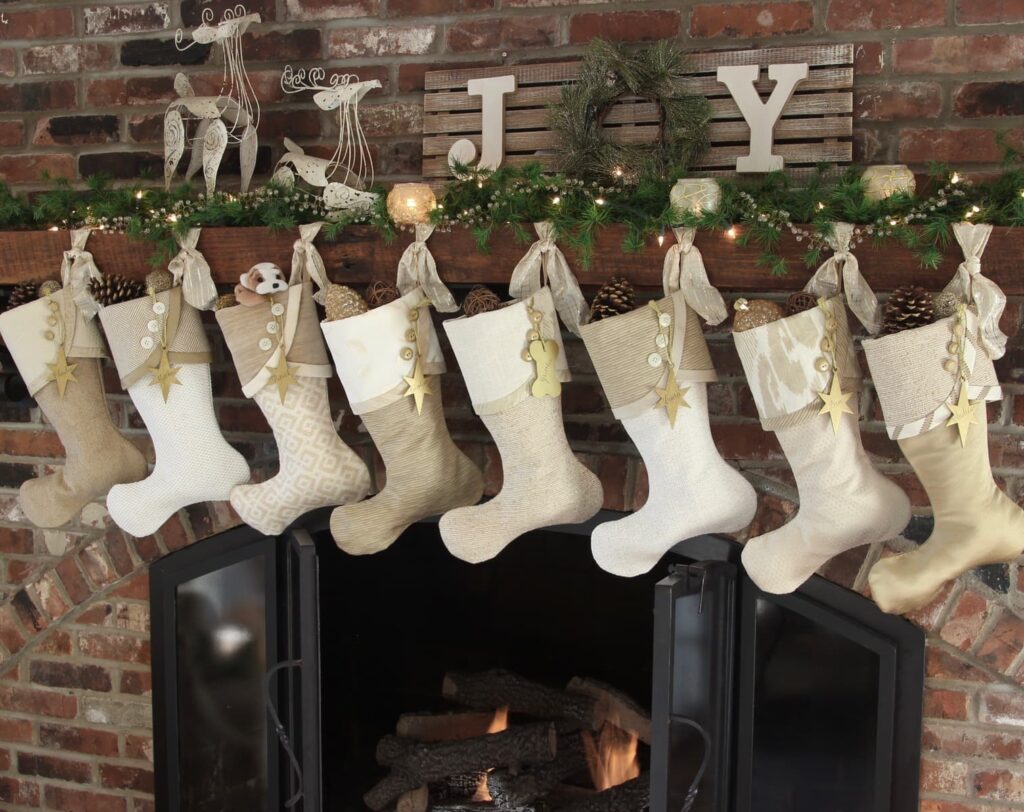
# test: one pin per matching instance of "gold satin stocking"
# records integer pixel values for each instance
(975, 522)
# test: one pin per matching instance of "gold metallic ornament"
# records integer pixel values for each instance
(282, 376)
(755, 313)
(62, 372)
(48, 288)
(419, 386)
(835, 402)
(410, 203)
(164, 375)
(671, 398)
(544, 353)
(963, 414)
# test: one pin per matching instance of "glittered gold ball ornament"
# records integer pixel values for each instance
(800, 301)
(224, 301)
(945, 304)
(48, 288)
(411, 203)
(480, 299)
(159, 281)
(382, 293)
(754, 313)
(342, 302)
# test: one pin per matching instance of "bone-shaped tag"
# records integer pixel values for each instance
(544, 353)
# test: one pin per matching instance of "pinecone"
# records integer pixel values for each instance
(342, 302)
(908, 307)
(48, 288)
(614, 297)
(799, 302)
(159, 281)
(22, 293)
(114, 288)
(480, 299)
(381, 293)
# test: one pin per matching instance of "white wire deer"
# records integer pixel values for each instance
(343, 93)
(231, 117)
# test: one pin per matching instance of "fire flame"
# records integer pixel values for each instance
(611, 757)
(498, 724)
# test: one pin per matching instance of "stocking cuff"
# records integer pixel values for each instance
(375, 351)
(490, 349)
(134, 330)
(916, 376)
(33, 340)
(253, 335)
(786, 364)
(630, 361)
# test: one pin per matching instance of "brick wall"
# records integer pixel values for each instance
(82, 88)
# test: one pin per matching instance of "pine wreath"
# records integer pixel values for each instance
(607, 74)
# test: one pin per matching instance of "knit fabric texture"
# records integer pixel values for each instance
(194, 463)
(544, 484)
(97, 456)
(844, 503)
(426, 475)
(692, 490)
(317, 468)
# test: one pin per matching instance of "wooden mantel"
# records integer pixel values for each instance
(360, 255)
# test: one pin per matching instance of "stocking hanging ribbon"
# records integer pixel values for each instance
(192, 272)
(970, 286)
(307, 262)
(545, 264)
(841, 270)
(77, 270)
(417, 269)
(685, 271)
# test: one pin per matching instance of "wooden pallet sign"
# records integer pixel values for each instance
(801, 116)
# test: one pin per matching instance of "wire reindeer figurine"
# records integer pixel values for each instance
(229, 118)
(349, 171)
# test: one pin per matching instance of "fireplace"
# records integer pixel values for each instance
(753, 702)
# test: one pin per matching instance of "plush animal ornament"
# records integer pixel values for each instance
(260, 280)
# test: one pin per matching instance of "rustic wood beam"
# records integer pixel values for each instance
(360, 255)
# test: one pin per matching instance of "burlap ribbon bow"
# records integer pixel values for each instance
(192, 272)
(307, 262)
(685, 271)
(77, 269)
(545, 264)
(417, 269)
(841, 270)
(970, 286)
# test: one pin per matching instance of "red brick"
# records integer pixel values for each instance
(29, 613)
(137, 683)
(1000, 785)
(868, 58)
(15, 730)
(55, 642)
(139, 748)
(427, 8)
(945, 665)
(1002, 708)
(12, 634)
(50, 23)
(383, 40)
(127, 19)
(983, 53)
(140, 90)
(47, 594)
(61, 769)
(1004, 643)
(942, 703)
(989, 11)
(948, 777)
(751, 19)
(63, 674)
(136, 588)
(895, 101)
(87, 129)
(19, 793)
(329, 9)
(75, 800)
(68, 58)
(874, 15)
(78, 739)
(117, 550)
(97, 565)
(949, 145)
(243, 417)
(12, 133)
(58, 94)
(147, 129)
(964, 624)
(973, 743)
(19, 571)
(192, 10)
(128, 778)
(32, 168)
(119, 647)
(503, 32)
(278, 46)
(844, 568)
(16, 540)
(72, 579)
(147, 548)
(625, 26)
(980, 99)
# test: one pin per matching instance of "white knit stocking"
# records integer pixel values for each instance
(844, 503)
(692, 490)
(544, 484)
(317, 468)
(194, 463)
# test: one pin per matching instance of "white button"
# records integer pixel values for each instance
(661, 340)
(153, 325)
(654, 359)
(159, 308)
(664, 319)
(147, 343)
(265, 344)
(272, 327)
(277, 308)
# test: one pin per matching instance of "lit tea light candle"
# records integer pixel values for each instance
(696, 195)
(886, 180)
(411, 203)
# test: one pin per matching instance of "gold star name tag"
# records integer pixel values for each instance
(164, 375)
(419, 386)
(835, 403)
(544, 353)
(62, 372)
(282, 376)
(963, 414)
(671, 398)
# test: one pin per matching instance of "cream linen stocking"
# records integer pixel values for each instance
(692, 490)
(844, 503)
(194, 463)
(317, 468)
(426, 475)
(975, 522)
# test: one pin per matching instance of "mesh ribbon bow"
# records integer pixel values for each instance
(544, 264)
(685, 271)
(417, 268)
(971, 287)
(842, 271)
(192, 272)
(307, 262)
(77, 269)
